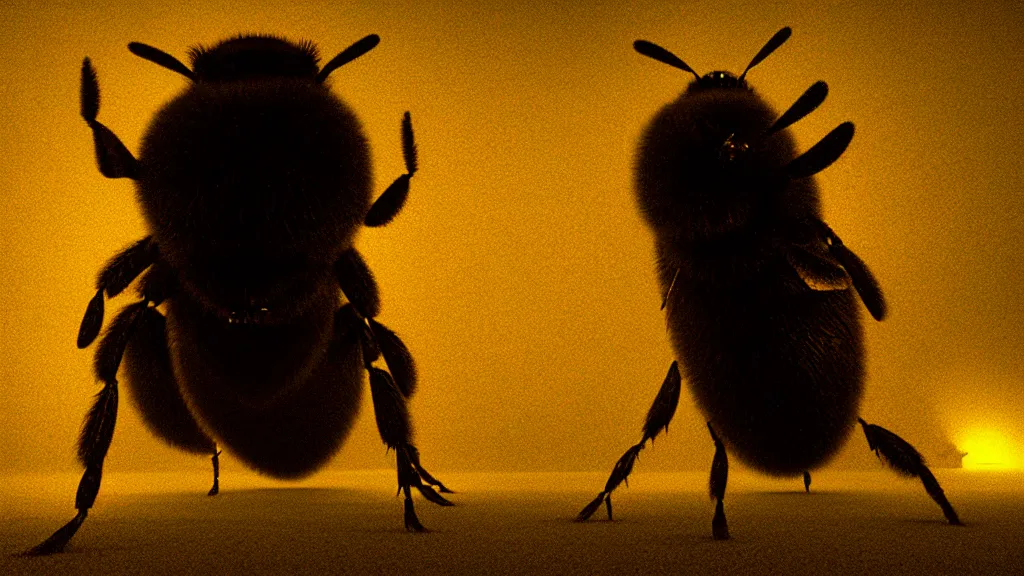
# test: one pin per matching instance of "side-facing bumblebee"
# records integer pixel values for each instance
(761, 294)
(253, 181)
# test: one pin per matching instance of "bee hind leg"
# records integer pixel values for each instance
(905, 460)
(807, 481)
(658, 418)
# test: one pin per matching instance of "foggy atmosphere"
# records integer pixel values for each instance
(522, 277)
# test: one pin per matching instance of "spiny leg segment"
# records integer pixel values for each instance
(658, 418)
(716, 487)
(98, 430)
(389, 390)
(905, 460)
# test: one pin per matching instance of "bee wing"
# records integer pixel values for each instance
(818, 268)
(863, 280)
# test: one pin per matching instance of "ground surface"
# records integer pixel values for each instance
(350, 522)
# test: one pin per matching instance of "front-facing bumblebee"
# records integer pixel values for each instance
(253, 182)
(761, 294)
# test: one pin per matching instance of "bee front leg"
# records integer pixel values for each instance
(117, 275)
(98, 430)
(390, 203)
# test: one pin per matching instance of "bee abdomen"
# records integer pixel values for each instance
(781, 378)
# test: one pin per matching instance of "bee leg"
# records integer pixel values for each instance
(98, 429)
(216, 474)
(658, 418)
(149, 377)
(716, 487)
(117, 275)
(390, 203)
(905, 460)
(807, 481)
(114, 159)
(356, 281)
(392, 415)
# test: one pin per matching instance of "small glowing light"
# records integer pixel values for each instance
(987, 449)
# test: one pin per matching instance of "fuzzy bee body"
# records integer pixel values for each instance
(254, 182)
(253, 186)
(774, 364)
(762, 297)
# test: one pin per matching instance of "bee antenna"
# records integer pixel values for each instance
(652, 50)
(347, 55)
(161, 58)
(804, 105)
(777, 40)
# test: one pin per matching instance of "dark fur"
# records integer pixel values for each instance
(253, 181)
(776, 366)
(400, 362)
(154, 392)
(253, 189)
(281, 397)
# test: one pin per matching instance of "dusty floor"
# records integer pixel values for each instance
(349, 522)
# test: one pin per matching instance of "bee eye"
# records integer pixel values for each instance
(732, 149)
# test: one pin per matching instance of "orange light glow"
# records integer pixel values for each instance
(987, 449)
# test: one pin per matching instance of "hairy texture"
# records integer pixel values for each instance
(905, 460)
(776, 366)
(686, 189)
(92, 322)
(356, 281)
(246, 57)
(664, 406)
(113, 158)
(252, 191)
(390, 203)
(108, 355)
(98, 428)
(399, 359)
(160, 58)
(390, 410)
(280, 398)
(408, 145)
(90, 92)
(122, 269)
(153, 391)
(767, 333)
(362, 46)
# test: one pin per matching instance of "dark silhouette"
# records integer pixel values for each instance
(658, 417)
(907, 461)
(254, 181)
(757, 287)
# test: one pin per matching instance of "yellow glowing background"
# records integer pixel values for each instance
(519, 273)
